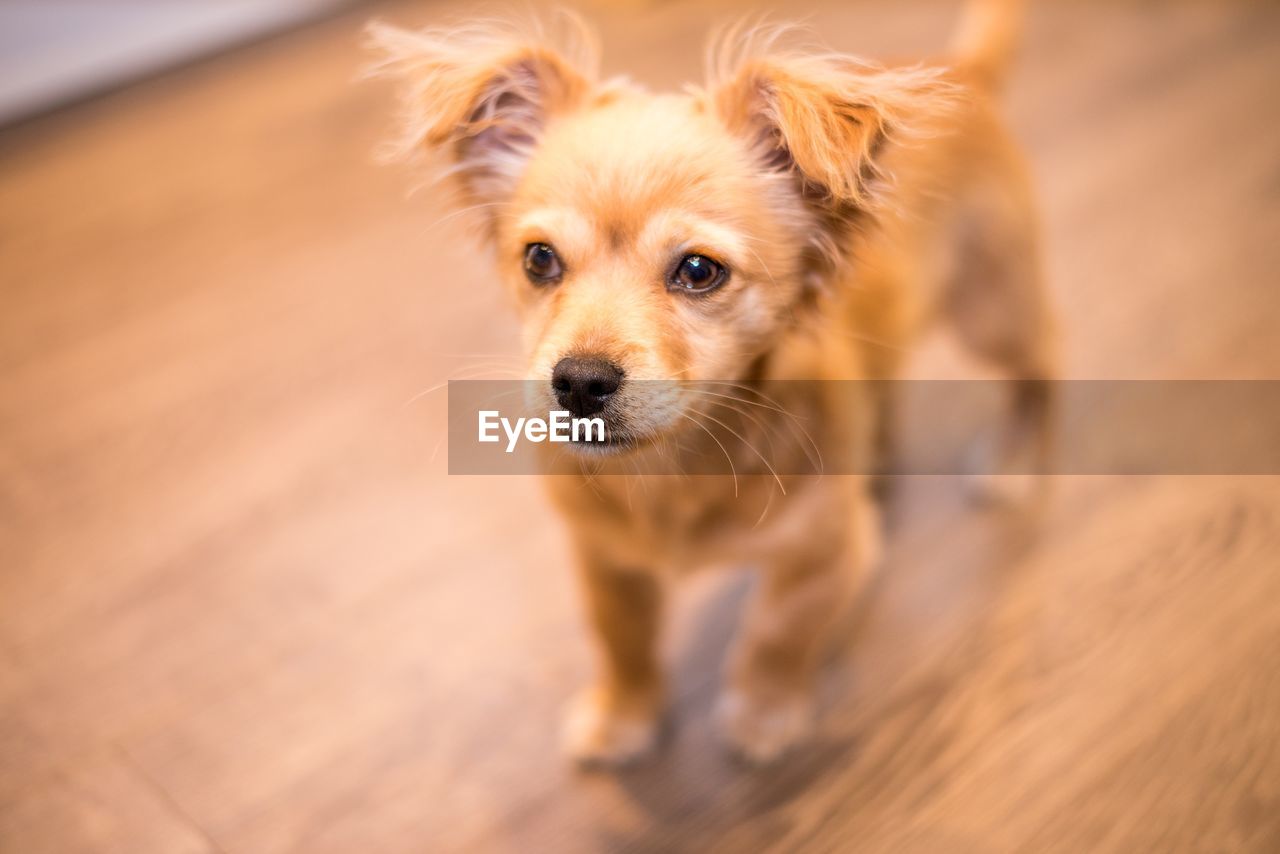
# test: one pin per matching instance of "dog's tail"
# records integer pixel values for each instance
(985, 41)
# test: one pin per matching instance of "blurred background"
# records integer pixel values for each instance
(244, 609)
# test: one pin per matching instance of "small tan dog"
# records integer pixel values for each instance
(800, 216)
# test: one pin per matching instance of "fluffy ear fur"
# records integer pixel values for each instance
(482, 93)
(826, 117)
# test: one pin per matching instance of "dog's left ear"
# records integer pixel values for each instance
(826, 118)
(482, 94)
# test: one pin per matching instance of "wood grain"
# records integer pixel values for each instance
(240, 601)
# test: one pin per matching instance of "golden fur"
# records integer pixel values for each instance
(851, 202)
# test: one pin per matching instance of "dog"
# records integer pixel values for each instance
(801, 215)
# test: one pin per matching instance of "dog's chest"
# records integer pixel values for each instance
(678, 524)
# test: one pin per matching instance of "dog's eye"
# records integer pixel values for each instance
(697, 274)
(541, 264)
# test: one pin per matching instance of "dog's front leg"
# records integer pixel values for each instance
(617, 719)
(768, 702)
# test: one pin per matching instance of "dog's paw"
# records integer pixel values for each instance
(597, 733)
(1004, 490)
(1003, 474)
(760, 731)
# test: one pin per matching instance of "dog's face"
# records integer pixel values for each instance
(644, 245)
(652, 242)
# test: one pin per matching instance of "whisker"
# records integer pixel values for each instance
(765, 512)
(470, 371)
(465, 210)
(725, 450)
(753, 450)
(762, 426)
(793, 420)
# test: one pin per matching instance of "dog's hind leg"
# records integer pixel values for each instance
(998, 305)
(884, 319)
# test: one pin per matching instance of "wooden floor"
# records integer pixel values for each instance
(240, 601)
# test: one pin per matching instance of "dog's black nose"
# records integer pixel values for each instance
(583, 384)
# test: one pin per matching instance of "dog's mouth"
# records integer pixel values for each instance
(614, 442)
(632, 420)
(625, 431)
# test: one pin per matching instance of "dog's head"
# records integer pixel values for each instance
(650, 240)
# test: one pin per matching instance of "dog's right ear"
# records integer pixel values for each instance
(482, 94)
